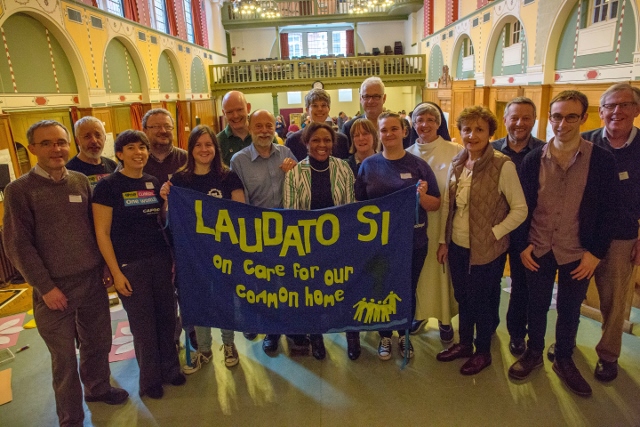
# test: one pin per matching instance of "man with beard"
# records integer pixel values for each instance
(164, 158)
(90, 137)
(261, 166)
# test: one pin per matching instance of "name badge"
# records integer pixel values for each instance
(623, 175)
(75, 198)
(406, 175)
(149, 185)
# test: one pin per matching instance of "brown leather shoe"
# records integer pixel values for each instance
(476, 363)
(571, 376)
(456, 351)
(528, 362)
(606, 371)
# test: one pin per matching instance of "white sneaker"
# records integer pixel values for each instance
(196, 363)
(230, 355)
(384, 349)
(401, 344)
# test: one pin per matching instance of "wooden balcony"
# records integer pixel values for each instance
(300, 73)
(299, 12)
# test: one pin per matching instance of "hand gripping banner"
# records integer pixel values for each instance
(250, 269)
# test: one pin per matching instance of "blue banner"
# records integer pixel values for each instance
(259, 270)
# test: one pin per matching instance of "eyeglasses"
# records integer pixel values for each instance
(49, 144)
(621, 105)
(160, 127)
(372, 97)
(569, 118)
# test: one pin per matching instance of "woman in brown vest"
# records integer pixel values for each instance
(483, 203)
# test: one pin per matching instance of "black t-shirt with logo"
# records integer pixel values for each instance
(94, 172)
(135, 230)
(210, 184)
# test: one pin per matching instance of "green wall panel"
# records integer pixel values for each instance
(167, 79)
(508, 70)
(459, 73)
(497, 57)
(564, 57)
(198, 77)
(436, 62)
(120, 72)
(28, 46)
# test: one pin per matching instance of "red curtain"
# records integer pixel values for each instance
(350, 42)
(171, 17)
(131, 10)
(164, 104)
(183, 120)
(284, 45)
(196, 18)
(94, 3)
(136, 112)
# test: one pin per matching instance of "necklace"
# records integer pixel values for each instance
(319, 171)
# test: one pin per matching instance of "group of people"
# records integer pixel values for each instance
(571, 206)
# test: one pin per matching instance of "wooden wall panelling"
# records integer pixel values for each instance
(189, 122)
(430, 95)
(462, 96)
(121, 119)
(171, 107)
(481, 96)
(540, 95)
(205, 111)
(104, 114)
(6, 143)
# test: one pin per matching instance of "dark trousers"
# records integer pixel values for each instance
(571, 293)
(86, 315)
(474, 287)
(417, 261)
(519, 300)
(152, 318)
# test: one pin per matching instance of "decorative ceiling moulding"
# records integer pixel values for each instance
(507, 7)
(609, 73)
(20, 101)
(121, 27)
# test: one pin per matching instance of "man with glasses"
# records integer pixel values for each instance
(372, 99)
(619, 106)
(519, 119)
(570, 188)
(318, 105)
(49, 237)
(90, 137)
(164, 158)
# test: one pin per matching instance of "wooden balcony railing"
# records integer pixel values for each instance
(334, 73)
(303, 11)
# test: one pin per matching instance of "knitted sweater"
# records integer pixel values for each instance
(628, 173)
(48, 229)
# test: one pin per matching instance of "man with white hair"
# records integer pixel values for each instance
(372, 99)
(90, 137)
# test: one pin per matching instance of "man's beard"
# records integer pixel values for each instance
(262, 141)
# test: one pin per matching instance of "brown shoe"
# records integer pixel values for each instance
(456, 351)
(571, 376)
(476, 363)
(606, 371)
(528, 362)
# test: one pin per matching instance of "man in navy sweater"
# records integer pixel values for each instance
(619, 106)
